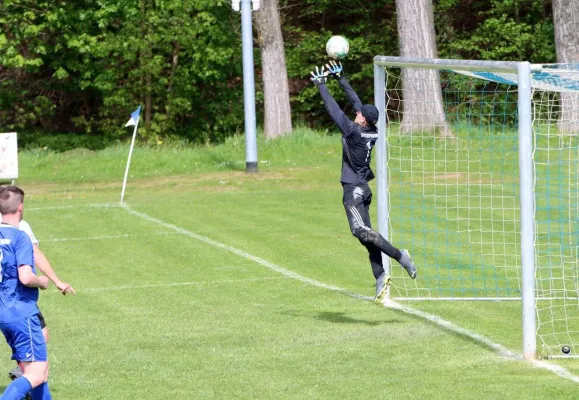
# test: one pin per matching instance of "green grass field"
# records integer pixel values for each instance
(191, 291)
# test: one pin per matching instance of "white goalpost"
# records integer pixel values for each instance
(478, 167)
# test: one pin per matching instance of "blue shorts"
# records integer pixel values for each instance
(26, 340)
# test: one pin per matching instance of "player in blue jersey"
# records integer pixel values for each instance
(358, 139)
(42, 264)
(18, 301)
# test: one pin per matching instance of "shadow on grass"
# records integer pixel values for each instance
(225, 163)
(342, 318)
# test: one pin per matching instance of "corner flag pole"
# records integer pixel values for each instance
(133, 121)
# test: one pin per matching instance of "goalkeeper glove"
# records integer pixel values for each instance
(320, 76)
(336, 69)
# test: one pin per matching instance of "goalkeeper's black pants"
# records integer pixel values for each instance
(357, 199)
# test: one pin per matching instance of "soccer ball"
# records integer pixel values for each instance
(337, 47)
(566, 349)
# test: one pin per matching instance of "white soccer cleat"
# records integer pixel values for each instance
(382, 284)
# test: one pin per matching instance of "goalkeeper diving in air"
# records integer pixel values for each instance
(358, 139)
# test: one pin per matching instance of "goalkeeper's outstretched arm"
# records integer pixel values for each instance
(350, 93)
(337, 71)
(345, 125)
(336, 113)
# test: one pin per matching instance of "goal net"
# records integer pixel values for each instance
(454, 185)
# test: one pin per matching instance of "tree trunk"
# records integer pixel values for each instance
(148, 103)
(148, 78)
(566, 21)
(174, 63)
(277, 119)
(423, 110)
(145, 57)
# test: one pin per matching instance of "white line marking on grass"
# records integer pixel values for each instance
(243, 254)
(497, 348)
(501, 350)
(126, 235)
(161, 285)
(95, 205)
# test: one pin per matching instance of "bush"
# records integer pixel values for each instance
(60, 142)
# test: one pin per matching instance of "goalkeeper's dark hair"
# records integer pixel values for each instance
(10, 198)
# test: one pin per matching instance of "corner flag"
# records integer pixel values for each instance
(134, 118)
(134, 121)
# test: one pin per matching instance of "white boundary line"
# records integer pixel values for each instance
(502, 351)
(241, 253)
(95, 205)
(479, 298)
(160, 285)
(457, 298)
(126, 235)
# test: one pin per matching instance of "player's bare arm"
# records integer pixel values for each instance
(42, 263)
(28, 278)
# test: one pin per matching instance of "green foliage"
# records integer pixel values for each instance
(84, 66)
(508, 30)
(182, 56)
(60, 142)
(308, 26)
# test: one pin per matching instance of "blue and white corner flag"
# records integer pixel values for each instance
(134, 121)
(134, 118)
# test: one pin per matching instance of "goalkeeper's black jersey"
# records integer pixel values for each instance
(357, 141)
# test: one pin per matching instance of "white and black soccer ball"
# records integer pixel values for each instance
(566, 349)
(337, 47)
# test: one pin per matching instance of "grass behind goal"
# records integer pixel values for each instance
(162, 315)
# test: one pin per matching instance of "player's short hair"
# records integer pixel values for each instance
(10, 198)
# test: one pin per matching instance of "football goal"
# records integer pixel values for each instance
(478, 175)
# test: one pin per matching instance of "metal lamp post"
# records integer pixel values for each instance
(248, 81)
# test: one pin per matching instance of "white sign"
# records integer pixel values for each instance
(8, 156)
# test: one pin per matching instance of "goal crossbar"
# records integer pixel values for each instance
(441, 63)
(551, 77)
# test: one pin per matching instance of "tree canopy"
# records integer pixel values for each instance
(80, 68)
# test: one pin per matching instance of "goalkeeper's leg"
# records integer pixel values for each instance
(382, 280)
(357, 199)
